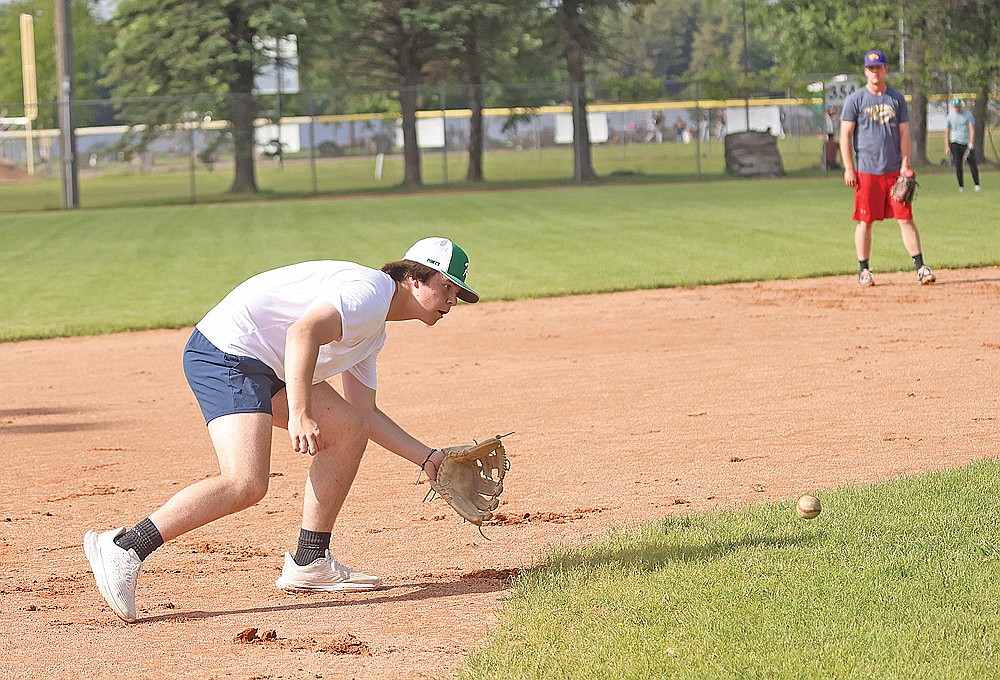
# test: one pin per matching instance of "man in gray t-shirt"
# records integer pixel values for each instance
(959, 135)
(875, 129)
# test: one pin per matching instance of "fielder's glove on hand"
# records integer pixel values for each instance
(905, 189)
(470, 478)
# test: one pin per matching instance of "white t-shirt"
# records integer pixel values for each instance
(253, 319)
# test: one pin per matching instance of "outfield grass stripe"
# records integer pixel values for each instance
(98, 271)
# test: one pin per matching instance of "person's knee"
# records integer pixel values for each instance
(244, 492)
(351, 433)
(344, 429)
(356, 429)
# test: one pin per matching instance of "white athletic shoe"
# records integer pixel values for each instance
(925, 276)
(115, 571)
(865, 278)
(325, 574)
(978, 188)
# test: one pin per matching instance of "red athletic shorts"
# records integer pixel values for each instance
(873, 199)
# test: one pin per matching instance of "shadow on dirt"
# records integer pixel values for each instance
(408, 592)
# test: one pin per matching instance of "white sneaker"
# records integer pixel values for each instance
(865, 278)
(925, 275)
(978, 188)
(961, 189)
(115, 571)
(325, 574)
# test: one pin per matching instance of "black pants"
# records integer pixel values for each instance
(958, 158)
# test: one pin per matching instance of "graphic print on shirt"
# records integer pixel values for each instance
(881, 113)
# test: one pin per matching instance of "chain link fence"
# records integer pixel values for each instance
(176, 150)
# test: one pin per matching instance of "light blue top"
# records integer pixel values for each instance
(958, 126)
(876, 132)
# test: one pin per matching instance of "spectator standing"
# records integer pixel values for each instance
(656, 123)
(721, 125)
(959, 140)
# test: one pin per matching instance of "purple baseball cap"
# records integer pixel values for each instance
(875, 58)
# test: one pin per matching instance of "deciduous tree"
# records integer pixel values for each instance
(188, 47)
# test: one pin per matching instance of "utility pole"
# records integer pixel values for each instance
(746, 66)
(67, 130)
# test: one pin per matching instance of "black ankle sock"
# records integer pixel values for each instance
(918, 260)
(863, 264)
(312, 546)
(143, 538)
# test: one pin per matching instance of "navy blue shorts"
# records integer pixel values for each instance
(227, 383)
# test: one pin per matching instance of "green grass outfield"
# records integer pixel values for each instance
(94, 271)
(898, 580)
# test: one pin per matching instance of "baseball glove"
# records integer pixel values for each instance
(470, 478)
(905, 189)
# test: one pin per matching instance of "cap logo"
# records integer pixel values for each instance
(433, 262)
(872, 57)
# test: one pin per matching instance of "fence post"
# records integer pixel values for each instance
(191, 118)
(624, 133)
(538, 135)
(798, 127)
(575, 105)
(697, 117)
(444, 135)
(312, 143)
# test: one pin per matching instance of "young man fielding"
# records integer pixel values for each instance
(261, 358)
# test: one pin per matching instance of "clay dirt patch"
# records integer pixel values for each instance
(14, 173)
(627, 407)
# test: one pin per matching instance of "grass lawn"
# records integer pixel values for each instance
(898, 580)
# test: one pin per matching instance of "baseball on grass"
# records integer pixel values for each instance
(808, 507)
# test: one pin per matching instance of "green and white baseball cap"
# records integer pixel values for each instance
(446, 257)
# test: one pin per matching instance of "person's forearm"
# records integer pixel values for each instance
(390, 436)
(904, 144)
(846, 152)
(300, 365)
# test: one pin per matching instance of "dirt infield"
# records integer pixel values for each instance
(627, 407)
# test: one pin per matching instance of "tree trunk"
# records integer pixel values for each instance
(475, 172)
(918, 91)
(583, 168)
(243, 111)
(981, 112)
(473, 66)
(918, 126)
(408, 97)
